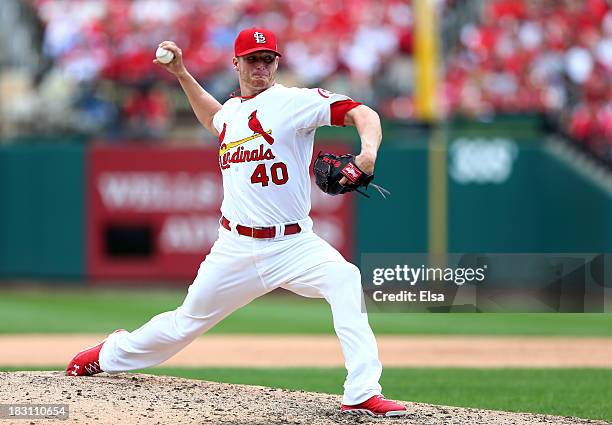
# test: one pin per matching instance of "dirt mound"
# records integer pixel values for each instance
(145, 399)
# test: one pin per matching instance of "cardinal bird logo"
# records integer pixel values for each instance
(256, 126)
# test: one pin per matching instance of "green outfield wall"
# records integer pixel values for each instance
(504, 193)
(398, 223)
(41, 211)
(543, 205)
(510, 190)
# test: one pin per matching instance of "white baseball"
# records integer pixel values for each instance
(163, 55)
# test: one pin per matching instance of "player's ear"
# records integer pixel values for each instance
(235, 62)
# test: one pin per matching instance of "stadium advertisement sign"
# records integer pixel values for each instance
(153, 212)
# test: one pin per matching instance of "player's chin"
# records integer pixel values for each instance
(257, 81)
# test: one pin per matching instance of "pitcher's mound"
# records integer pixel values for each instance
(145, 399)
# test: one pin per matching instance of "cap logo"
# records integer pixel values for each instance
(259, 37)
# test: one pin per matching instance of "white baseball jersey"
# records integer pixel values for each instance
(265, 150)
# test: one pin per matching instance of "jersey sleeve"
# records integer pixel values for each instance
(339, 109)
(218, 120)
(313, 108)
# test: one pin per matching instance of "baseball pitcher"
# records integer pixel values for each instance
(266, 241)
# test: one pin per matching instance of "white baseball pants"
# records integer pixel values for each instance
(240, 269)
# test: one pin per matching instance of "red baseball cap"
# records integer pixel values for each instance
(253, 40)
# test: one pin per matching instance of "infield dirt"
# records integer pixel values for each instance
(324, 351)
(146, 399)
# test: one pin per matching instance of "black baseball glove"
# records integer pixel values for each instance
(329, 169)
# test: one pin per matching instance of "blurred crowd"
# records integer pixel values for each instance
(517, 56)
(548, 56)
(102, 52)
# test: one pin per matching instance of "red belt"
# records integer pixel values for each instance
(261, 232)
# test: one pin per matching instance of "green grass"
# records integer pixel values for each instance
(583, 393)
(100, 311)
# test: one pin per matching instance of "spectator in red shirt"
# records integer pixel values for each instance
(146, 113)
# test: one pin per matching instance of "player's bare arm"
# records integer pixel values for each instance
(367, 123)
(203, 104)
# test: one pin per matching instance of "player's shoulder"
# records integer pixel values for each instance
(232, 102)
(305, 92)
(284, 91)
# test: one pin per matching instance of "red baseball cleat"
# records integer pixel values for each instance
(87, 362)
(376, 406)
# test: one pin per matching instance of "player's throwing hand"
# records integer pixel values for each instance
(176, 66)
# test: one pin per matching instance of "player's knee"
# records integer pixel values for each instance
(353, 273)
(348, 276)
(187, 326)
